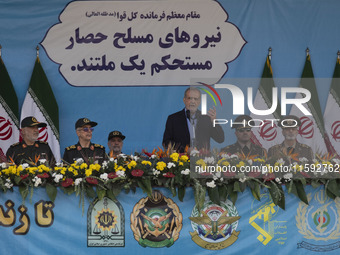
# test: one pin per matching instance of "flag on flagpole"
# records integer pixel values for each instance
(41, 103)
(269, 134)
(312, 129)
(332, 112)
(9, 112)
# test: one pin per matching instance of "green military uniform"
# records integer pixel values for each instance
(254, 150)
(22, 153)
(94, 153)
(302, 151)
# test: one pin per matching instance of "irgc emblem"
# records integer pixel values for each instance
(215, 226)
(156, 221)
(319, 221)
(105, 224)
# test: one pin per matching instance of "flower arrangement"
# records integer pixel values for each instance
(220, 175)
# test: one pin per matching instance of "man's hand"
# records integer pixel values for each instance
(212, 113)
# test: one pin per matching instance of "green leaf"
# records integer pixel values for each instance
(181, 193)
(145, 185)
(232, 194)
(256, 191)
(23, 191)
(51, 191)
(277, 194)
(214, 195)
(333, 187)
(173, 188)
(301, 192)
(100, 193)
(222, 190)
(315, 184)
(17, 179)
(90, 192)
(237, 186)
(110, 195)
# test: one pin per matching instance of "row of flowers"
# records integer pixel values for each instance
(222, 176)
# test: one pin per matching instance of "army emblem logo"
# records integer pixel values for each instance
(319, 221)
(105, 224)
(215, 227)
(156, 222)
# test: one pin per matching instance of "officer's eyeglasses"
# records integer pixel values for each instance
(244, 130)
(87, 129)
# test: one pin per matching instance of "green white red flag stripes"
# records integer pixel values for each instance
(312, 130)
(332, 112)
(269, 134)
(41, 103)
(9, 112)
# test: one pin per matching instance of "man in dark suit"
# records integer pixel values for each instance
(189, 127)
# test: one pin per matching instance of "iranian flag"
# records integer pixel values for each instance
(312, 129)
(41, 103)
(269, 134)
(332, 112)
(9, 112)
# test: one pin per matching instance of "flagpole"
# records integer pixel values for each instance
(37, 51)
(0, 49)
(307, 51)
(270, 53)
(338, 53)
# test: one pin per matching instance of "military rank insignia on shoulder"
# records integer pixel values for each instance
(15, 144)
(42, 142)
(99, 146)
(72, 147)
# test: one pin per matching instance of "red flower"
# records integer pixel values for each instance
(269, 177)
(23, 177)
(112, 175)
(43, 176)
(67, 182)
(92, 180)
(137, 172)
(169, 175)
(229, 173)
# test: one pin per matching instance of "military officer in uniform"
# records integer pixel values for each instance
(115, 143)
(89, 152)
(290, 145)
(243, 145)
(30, 149)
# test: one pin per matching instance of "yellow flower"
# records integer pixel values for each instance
(144, 162)
(120, 168)
(184, 158)
(200, 162)
(180, 164)
(88, 172)
(240, 164)
(95, 167)
(160, 166)
(83, 166)
(75, 172)
(174, 156)
(132, 164)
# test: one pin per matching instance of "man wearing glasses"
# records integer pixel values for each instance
(243, 145)
(89, 152)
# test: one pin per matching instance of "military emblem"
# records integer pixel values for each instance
(105, 224)
(264, 220)
(156, 222)
(215, 226)
(319, 221)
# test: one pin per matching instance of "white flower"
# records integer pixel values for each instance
(211, 184)
(37, 181)
(155, 172)
(104, 165)
(120, 173)
(226, 156)
(242, 179)
(58, 177)
(3, 165)
(221, 179)
(288, 176)
(42, 161)
(264, 169)
(79, 161)
(59, 164)
(281, 161)
(303, 159)
(186, 171)
(122, 155)
(209, 160)
(25, 165)
(336, 161)
(194, 152)
(78, 181)
(278, 180)
(111, 159)
(153, 156)
(250, 162)
(234, 156)
(8, 183)
(170, 164)
(104, 176)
